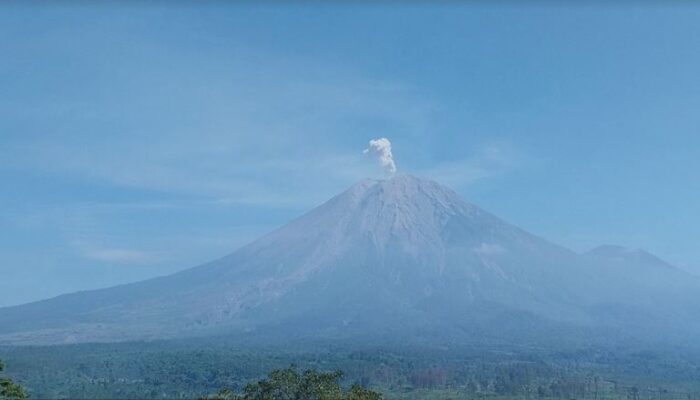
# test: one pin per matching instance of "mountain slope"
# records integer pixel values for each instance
(397, 257)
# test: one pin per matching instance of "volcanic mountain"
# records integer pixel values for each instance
(386, 259)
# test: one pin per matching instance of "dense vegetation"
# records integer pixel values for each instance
(197, 369)
(290, 384)
(8, 389)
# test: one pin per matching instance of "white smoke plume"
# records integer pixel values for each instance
(381, 150)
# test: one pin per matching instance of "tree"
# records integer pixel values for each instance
(290, 384)
(8, 389)
(357, 392)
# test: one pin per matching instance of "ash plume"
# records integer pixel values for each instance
(381, 150)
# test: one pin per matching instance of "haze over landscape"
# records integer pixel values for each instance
(447, 201)
(396, 258)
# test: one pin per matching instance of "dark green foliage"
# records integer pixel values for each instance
(290, 384)
(8, 389)
(357, 392)
(188, 370)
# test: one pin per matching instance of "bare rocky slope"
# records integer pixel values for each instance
(387, 259)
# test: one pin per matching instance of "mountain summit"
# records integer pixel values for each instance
(402, 257)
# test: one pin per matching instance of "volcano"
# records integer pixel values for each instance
(402, 258)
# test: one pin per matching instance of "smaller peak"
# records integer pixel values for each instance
(618, 251)
(611, 250)
(608, 251)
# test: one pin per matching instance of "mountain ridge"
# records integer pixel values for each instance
(402, 256)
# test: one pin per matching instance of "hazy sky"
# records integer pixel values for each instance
(139, 140)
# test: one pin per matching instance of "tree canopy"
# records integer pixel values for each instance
(8, 389)
(290, 384)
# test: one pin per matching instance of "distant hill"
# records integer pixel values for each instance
(402, 259)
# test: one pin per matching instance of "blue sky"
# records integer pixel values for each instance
(138, 140)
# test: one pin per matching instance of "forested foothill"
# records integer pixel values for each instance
(174, 370)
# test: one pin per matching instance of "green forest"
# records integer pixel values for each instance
(173, 370)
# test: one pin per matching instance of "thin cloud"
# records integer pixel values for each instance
(240, 155)
(98, 252)
(490, 161)
(122, 256)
